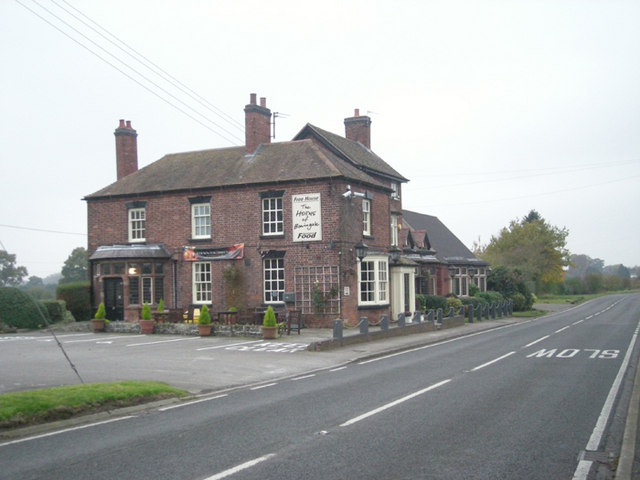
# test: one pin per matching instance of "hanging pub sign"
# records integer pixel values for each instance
(193, 254)
(307, 217)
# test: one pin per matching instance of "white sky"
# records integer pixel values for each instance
(490, 108)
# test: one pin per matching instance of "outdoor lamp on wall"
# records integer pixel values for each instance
(361, 250)
(133, 270)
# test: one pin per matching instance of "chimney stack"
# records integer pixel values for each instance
(257, 123)
(126, 149)
(358, 128)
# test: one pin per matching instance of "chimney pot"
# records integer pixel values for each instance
(121, 123)
(128, 123)
(356, 112)
(263, 102)
(252, 100)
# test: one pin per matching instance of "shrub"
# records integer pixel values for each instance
(475, 301)
(205, 317)
(160, 308)
(101, 314)
(519, 302)
(433, 302)
(146, 312)
(19, 311)
(55, 309)
(269, 319)
(491, 296)
(453, 302)
(77, 296)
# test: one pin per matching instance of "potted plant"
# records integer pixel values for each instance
(269, 324)
(204, 322)
(159, 315)
(146, 321)
(99, 319)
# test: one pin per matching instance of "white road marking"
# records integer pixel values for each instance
(439, 343)
(102, 339)
(264, 386)
(596, 436)
(58, 432)
(239, 468)
(394, 403)
(163, 341)
(227, 345)
(536, 341)
(492, 362)
(562, 329)
(303, 377)
(337, 369)
(164, 409)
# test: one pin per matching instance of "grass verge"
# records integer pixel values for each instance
(31, 407)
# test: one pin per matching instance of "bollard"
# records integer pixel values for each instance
(401, 320)
(364, 326)
(430, 316)
(439, 315)
(471, 313)
(384, 323)
(337, 330)
(417, 317)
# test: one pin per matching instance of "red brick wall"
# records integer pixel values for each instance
(236, 218)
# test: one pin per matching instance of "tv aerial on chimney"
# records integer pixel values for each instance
(273, 122)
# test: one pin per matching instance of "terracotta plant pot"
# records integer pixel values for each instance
(204, 330)
(146, 326)
(269, 333)
(98, 324)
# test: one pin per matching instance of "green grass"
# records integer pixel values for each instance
(49, 404)
(530, 314)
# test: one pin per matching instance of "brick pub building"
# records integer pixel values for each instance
(245, 227)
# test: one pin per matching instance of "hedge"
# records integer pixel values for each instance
(18, 310)
(77, 295)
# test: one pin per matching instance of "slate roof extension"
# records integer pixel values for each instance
(448, 248)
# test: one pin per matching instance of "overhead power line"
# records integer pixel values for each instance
(151, 90)
(42, 230)
(137, 56)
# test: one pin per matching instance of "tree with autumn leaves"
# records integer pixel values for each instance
(533, 247)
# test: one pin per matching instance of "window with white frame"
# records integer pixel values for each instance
(374, 281)
(272, 217)
(201, 220)
(202, 282)
(137, 224)
(366, 216)
(273, 272)
(394, 230)
(396, 191)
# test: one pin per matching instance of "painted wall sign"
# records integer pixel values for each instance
(307, 217)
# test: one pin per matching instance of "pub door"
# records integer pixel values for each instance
(114, 298)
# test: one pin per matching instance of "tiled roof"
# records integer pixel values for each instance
(351, 151)
(277, 162)
(448, 248)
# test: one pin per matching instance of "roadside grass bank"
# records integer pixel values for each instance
(576, 299)
(31, 407)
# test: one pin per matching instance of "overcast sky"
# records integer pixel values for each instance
(490, 108)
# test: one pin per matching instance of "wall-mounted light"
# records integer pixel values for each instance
(133, 270)
(361, 250)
